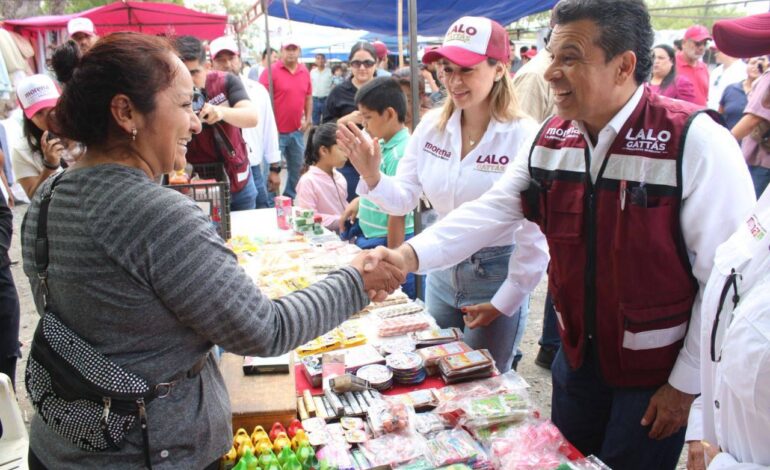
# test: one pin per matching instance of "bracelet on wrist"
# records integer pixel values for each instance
(51, 166)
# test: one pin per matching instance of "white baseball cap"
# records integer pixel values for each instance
(224, 43)
(470, 40)
(35, 93)
(81, 25)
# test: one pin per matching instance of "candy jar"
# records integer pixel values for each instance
(248, 457)
(240, 437)
(284, 455)
(298, 439)
(258, 434)
(262, 444)
(294, 425)
(277, 428)
(266, 458)
(292, 463)
(281, 441)
(228, 460)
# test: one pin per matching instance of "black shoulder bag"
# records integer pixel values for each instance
(77, 391)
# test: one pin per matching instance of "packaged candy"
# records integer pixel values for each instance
(398, 310)
(432, 354)
(591, 462)
(437, 336)
(403, 325)
(496, 409)
(450, 397)
(531, 445)
(407, 368)
(393, 449)
(454, 446)
(388, 416)
(335, 456)
(283, 212)
(427, 423)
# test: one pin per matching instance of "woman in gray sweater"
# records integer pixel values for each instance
(137, 270)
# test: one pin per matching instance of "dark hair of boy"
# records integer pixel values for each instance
(324, 135)
(190, 48)
(383, 93)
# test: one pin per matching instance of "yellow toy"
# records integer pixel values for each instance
(241, 436)
(281, 441)
(298, 439)
(257, 435)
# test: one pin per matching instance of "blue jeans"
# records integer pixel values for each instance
(550, 337)
(351, 177)
(293, 150)
(319, 106)
(244, 199)
(604, 421)
(259, 184)
(475, 281)
(761, 177)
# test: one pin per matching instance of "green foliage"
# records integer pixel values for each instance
(681, 14)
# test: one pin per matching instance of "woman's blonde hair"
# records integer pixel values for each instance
(503, 103)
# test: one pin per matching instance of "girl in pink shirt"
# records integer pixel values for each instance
(322, 188)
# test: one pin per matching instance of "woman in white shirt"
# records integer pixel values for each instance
(454, 156)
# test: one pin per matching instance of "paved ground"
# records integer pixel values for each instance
(538, 378)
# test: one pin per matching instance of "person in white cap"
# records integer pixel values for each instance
(455, 155)
(82, 31)
(262, 140)
(40, 153)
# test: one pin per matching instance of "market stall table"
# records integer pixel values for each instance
(257, 399)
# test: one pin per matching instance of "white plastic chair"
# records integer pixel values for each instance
(14, 443)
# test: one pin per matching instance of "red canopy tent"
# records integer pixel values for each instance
(145, 17)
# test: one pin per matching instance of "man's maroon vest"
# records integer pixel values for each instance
(620, 276)
(204, 148)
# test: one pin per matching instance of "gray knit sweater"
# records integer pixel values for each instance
(137, 270)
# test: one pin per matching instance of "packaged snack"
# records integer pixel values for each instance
(591, 462)
(437, 336)
(380, 377)
(403, 325)
(427, 423)
(421, 399)
(532, 445)
(283, 211)
(336, 456)
(496, 409)
(398, 310)
(407, 368)
(454, 446)
(432, 354)
(388, 416)
(393, 449)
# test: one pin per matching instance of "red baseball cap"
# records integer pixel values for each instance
(470, 40)
(381, 48)
(530, 54)
(744, 37)
(697, 33)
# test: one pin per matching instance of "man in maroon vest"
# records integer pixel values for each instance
(634, 192)
(227, 111)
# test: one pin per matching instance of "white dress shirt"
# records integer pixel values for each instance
(432, 165)
(722, 76)
(262, 140)
(733, 411)
(322, 82)
(717, 194)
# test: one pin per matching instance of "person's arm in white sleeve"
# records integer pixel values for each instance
(725, 461)
(526, 267)
(695, 421)
(717, 196)
(475, 224)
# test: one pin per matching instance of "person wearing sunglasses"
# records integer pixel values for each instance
(689, 61)
(341, 103)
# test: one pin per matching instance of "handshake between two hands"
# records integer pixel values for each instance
(383, 270)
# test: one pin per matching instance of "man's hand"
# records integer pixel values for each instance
(695, 460)
(273, 182)
(364, 154)
(381, 277)
(306, 123)
(350, 214)
(479, 315)
(667, 412)
(210, 114)
(711, 452)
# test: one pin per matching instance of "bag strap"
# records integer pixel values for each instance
(41, 241)
(225, 148)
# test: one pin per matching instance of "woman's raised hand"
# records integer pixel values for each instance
(363, 152)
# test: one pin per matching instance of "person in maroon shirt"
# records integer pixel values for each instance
(689, 63)
(293, 107)
(664, 80)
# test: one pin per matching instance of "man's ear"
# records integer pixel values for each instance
(626, 67)
(123, 113)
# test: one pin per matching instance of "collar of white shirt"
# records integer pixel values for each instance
(609, 132)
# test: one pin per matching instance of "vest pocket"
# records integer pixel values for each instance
(652, 336)
(564, 212)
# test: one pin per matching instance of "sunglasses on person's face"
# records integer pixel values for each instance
(358, 63)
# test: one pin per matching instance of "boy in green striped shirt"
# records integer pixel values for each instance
(382, 105)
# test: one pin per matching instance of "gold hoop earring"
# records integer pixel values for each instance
(133, 134)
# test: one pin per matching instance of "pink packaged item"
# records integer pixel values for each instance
(532, 445)
(393, 449)
(283, 212)
(403, 325)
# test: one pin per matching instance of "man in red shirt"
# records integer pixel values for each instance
(689, 63)
(293, 107)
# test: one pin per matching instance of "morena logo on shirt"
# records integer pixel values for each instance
(755, 228)
(437, 151)
(492, 163)
(217, 100)
(557, 133)
(647, 140)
